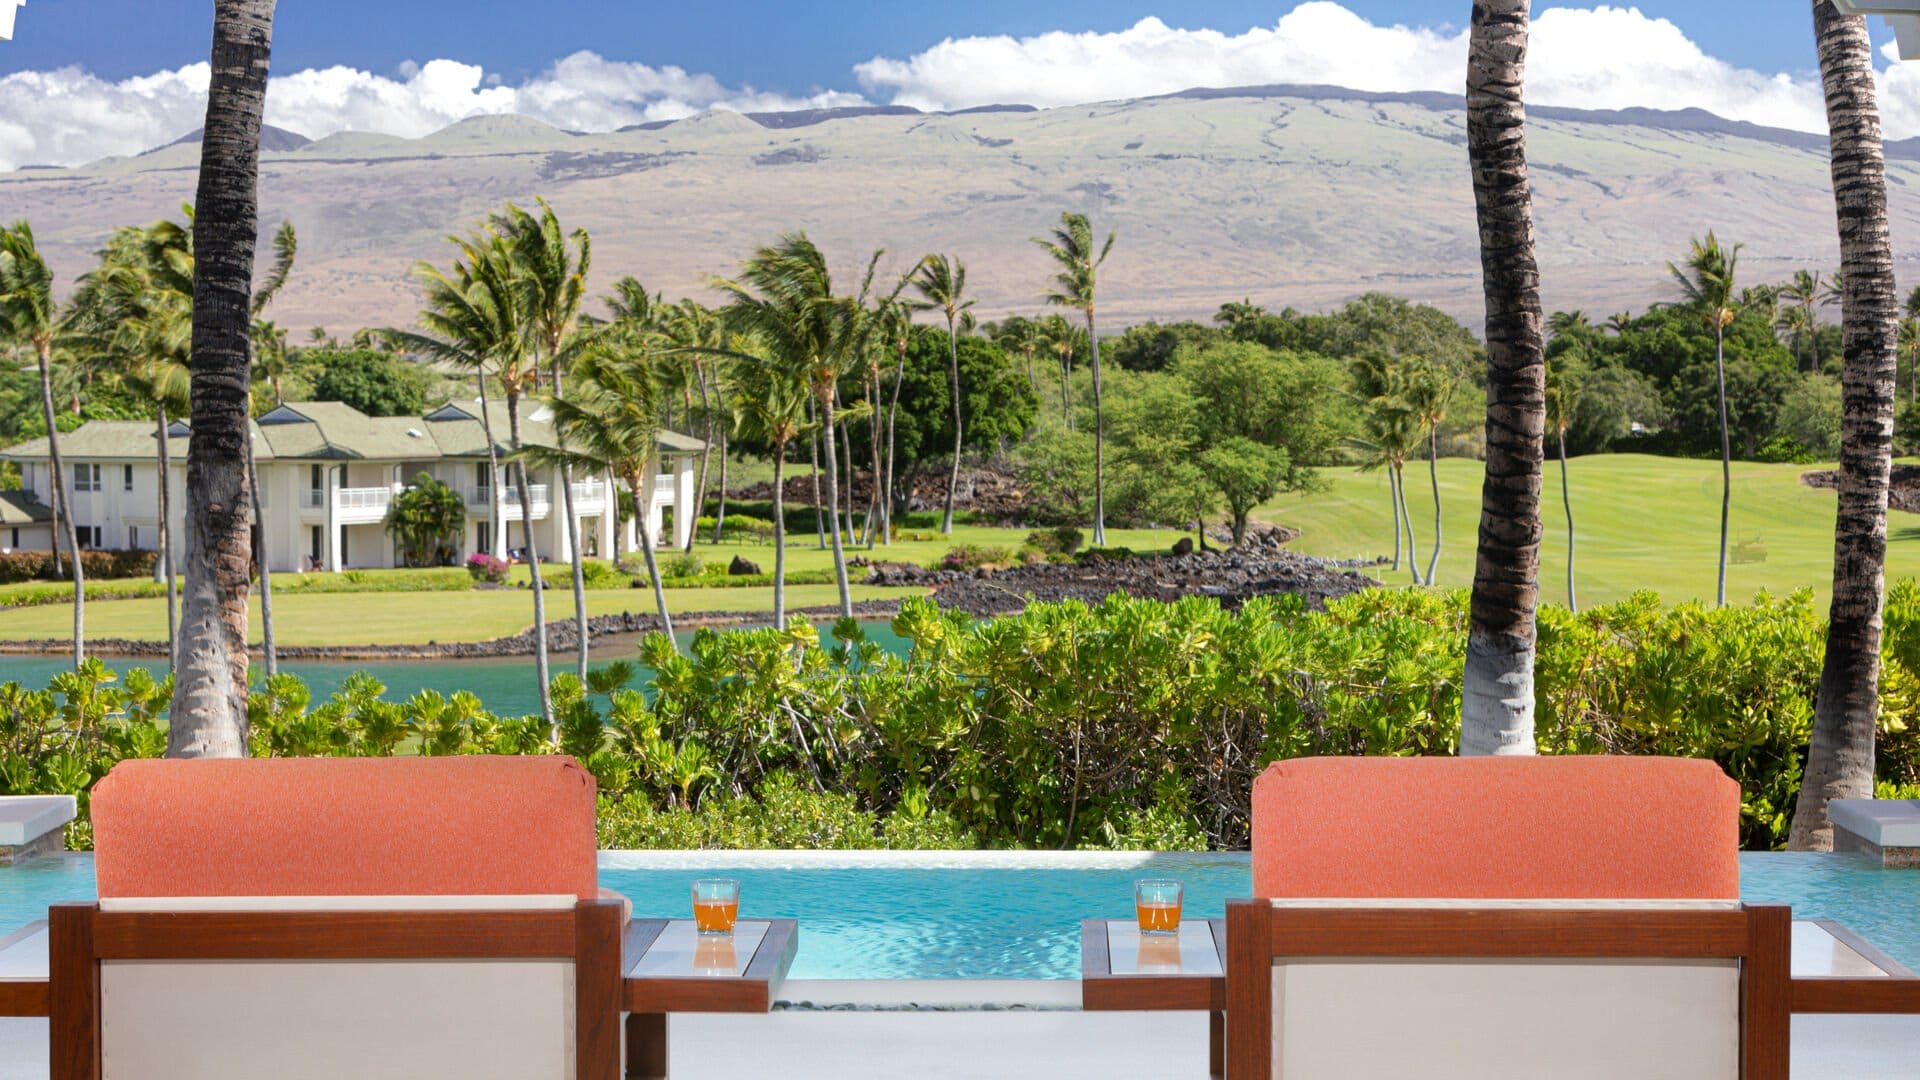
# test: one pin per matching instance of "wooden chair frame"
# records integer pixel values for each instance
(1759, 937)
(80, 936)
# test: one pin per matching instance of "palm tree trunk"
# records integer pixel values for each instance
(1393, 506)
(720, 511)
(1433, 477)
(706, 456)
(1496, 711)
(1566, 500)
(62, 503)
(57, 512)
(813, 474)
(779, 533)
(267, 647)
(582, 639)
(1840, 755)
(1099, 440)
(1726, 456)
(165, 559)
(846, 469)
(493, 470)
(652, 561)
(893, 410)
(1066, 390)
(833, 497)
(953, 388)
(1405, 520)
(209, 710)
(876, 518)
(533, 563)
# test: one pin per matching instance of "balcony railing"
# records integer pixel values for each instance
(664, 486)
(536, 493)
(313, 498)
(364, 498)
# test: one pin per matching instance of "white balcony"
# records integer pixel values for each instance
(663, 489)
(360, 506)
(589, 498)
(478, 500)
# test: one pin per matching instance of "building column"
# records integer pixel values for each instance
(333, 519)
(559, 497)
(610, 509)
(684, 512)
(498, 494)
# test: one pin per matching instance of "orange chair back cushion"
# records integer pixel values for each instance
(1492, 828)
(456, 826)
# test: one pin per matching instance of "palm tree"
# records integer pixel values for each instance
(894, 328)
(1024, 336)
(1063, 341)
(28, 314)
(611, 419)
(1910, 347)
(784, 299)
(1564, 386)
(1496, 708)
(551, 266)
(271, 356)
(772, 404)
(1072, 247)
(695, 328)
(1707, 283)
(1236, 313)
(1392, 426)
(941, 282)
(1430, 391)
(1620, 322)
(209, 710)
(475, 316)
(1803, 293)
(1840, 753)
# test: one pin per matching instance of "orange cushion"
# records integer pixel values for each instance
(1518, 828)
(454, 826)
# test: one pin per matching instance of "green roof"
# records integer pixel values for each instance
(21, 508)
(328, 431)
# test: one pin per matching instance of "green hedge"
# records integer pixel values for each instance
(1131, 723)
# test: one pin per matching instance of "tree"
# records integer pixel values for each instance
(1293, 400)
(612, 418)
(1063, 340)
(1247, 474)
(1496, 709)
(551, 267)
(1072, 247)
(1430, 389)
(1391, 430)
(995, 399)
(1565, 380)
(1235, 313)
(27, 314)
(376, 383)
(1707, 282)
(425, 521)
(941, 282)
(208, 717)
(784, 299)
(1840, 753)
(1797, 317)
(771, 402)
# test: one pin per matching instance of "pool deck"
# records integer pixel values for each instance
(1057, 1045)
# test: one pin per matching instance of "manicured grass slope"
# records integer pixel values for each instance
(1642, 523)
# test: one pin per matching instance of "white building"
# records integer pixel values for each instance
(328, 474)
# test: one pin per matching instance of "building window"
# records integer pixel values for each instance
(89, 536)
(16, 538)
(133, 538)
(316, 549)
(86, 478)
(126, 478)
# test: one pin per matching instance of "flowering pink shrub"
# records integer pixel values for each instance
(484, 567)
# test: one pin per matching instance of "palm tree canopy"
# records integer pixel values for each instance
(941, 281)
(1707, 278)
(1072, 246)
(27, 311)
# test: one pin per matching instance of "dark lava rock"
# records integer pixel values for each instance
(741, 566)
(1232, 577)
(1183, 546)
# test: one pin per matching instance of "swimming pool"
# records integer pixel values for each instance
(1016, 915)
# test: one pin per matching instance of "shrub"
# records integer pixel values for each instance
(739, 528)
(484, 567)
(974, 556)
(1059, 540)
(597, 574)
(100, 564)
(682, 566)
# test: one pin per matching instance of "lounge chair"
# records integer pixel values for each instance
(1561, 917)
(414, 918)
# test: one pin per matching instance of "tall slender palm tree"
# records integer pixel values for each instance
(551, 266)
(474, 315)
(28, 314)
(1392, 429)
(209, 710)
(1707, 282)
(1063, 341)
(784, 298)
(895, 329)
(941, 281)
(1806, 291)
(1496, 709)
(772, 405)
(695, 328)
(1840, 754)
(1024, 337)
(611, 419)
(1564, 386)
(1430, 391)
(1072, 247)
(1910, 348)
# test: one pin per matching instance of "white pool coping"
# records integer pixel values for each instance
(913, 860)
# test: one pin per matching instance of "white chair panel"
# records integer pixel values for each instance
(1365, 1019)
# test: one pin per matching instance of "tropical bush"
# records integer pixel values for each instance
(1127, 724)
(425, 520)
(974, 556)
(484, 567)
(18, 566)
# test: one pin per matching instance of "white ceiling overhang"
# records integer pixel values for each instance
(1902, 15)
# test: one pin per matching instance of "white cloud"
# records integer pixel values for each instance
(1602, 57)
(68, 116)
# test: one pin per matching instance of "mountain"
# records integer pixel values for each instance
(1290, 195)
(271, 138)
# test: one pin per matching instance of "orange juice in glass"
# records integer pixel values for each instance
(716, 904)
(1156, 904)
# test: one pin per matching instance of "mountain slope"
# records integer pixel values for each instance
(1290, 195)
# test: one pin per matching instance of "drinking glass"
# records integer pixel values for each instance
(716, 904)
(1156, 904)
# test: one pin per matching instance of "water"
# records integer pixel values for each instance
(505, 686)
(974, 915)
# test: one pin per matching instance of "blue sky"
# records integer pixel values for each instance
(778, 44)
(87, 78)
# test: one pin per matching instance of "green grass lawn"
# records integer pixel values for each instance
(1641, 523)
(408, 618)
